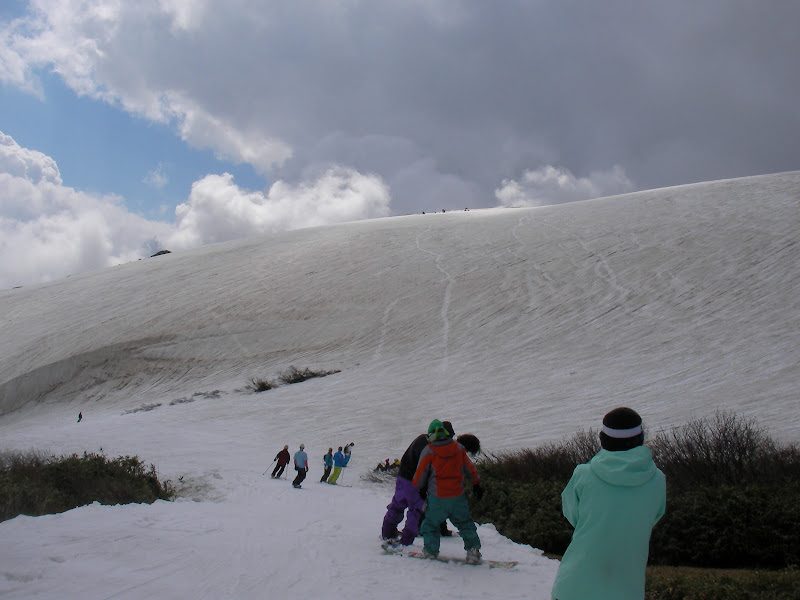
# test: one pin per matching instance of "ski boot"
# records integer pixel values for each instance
(473, 557)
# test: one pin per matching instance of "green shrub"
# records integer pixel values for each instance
(731, 495)
(35, 484)
(669, 583)
(751, 524)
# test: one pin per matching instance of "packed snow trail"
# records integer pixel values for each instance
(320, 542)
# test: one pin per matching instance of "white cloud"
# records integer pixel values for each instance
(48, 230)
(27, 164)
(202, 130)
(553, 185)
(65, 232)
(94, 47)
(157, 178)
(219, 210)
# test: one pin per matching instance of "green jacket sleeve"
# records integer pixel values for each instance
(570, 499)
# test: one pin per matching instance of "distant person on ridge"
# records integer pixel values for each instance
(442, 467)
(282, 459)
(327, 462)
(613, 501)
(339, 463)
(80, 417)
(301, 466)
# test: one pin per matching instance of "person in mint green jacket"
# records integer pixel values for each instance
(613, 502)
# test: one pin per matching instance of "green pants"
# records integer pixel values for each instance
(457, 510)
(336, 472)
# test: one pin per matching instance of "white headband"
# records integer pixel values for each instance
(622, 433)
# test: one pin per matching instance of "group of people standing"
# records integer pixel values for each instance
(613, 502)
(433, 469)
(337, 462)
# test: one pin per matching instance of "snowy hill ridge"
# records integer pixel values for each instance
(678, 298)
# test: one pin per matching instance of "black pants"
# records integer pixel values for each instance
(301, 474)
(278, 470)
(327, 473)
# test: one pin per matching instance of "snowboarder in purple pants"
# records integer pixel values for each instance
(406, 497)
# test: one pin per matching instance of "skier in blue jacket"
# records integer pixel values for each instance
(613, 502)
(339, 462)
(327, 462)
(301, 466)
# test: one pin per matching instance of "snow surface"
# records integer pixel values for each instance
(519, 325)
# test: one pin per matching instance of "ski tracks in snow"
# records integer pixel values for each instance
(448, 291)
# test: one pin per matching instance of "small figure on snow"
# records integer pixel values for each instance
(339, 462)
(442, 467)
(80, 417)
(282, 459)
(301, 466)
(613, 501)
(327, 462)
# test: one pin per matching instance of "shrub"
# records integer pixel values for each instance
(727, 448)
(669, 583)
(261, 385)
(35, 484)
(731, 495)
(295, 375)
(290, 375)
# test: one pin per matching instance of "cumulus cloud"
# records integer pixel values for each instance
(65, 232)
(49, 231)
(27, 164)
(218, 210)
(553, 185)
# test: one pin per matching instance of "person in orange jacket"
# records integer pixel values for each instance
(442, 467)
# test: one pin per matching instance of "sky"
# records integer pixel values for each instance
(171, 124)
(520, 326)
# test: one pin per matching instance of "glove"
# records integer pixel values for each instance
(423, 494)
(478, 491)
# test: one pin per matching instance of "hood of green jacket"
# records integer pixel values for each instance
(630, 468)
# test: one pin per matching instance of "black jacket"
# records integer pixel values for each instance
(408, 464)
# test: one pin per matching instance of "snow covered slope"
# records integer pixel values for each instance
(520, 325)
(676, 300)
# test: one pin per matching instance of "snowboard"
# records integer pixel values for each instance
(492, 564)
